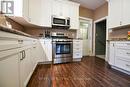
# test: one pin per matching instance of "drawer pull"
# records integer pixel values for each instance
(128, 43)
(128, 65)
(127, 53)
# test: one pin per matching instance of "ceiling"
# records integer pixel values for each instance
(91, 4)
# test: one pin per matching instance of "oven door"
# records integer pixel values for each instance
(62, 49)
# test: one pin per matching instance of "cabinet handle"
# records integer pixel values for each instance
(113, 44)
(128, 65)
(20, 41)
(127, 53)
(24, 54)
(128, 43)
(21, 55)
(120, 23)
(34, 47)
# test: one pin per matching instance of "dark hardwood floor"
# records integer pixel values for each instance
(90, 72)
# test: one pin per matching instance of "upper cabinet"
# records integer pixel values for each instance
(126, 12)
(118, 13)
(60, 8)
(40, 12)
(67, 9)
(21, 8)
(74, 15)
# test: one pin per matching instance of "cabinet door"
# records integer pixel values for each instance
(35, 12)
(74, 16)
(57, 8)
(126, 13)
(25, 68)
(25, 9)
(9, 71)
(41, 51)
(48, 49)
(115, 13)
(46, 13)
(65, 9)
(112, 54)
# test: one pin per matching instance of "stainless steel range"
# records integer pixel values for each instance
(62, 49)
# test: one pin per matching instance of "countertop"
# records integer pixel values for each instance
(118, 39)
(6, 29)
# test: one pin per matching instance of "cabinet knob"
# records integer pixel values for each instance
(120, 22)
(128, 65)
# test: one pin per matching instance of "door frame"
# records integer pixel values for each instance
(94, 34)
(90, 33)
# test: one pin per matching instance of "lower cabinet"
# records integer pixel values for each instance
(9, 71)
(112, 53)
(119, 55)
(25, 67)
(77, 50)
(46, 45)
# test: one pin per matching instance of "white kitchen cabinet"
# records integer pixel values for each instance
(119, 57)
(77, 50)
(74, 15)
(67, 9)
(60, 8)
(57, 8)
(115, 13)
(9, 70)
(126, 12)
(40, 12)
(26, 67)
(47, 48)
(19, 56)
(112, 53)
(21, 8)
(46, 13)
(118, 13)
(35, 12)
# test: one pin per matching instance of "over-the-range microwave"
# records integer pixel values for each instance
(59, 21)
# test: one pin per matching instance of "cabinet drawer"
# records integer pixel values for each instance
(77, 55)
(77, 50)
(7, 44)
(122, 64)
(125, 53)
(77, 46)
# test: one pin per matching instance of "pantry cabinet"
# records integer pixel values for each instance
(118, 13)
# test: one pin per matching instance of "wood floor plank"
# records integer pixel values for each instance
(90, 72)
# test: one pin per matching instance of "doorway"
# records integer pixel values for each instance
(100, 39)
(86, 35)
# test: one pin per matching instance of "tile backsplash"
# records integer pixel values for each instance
(119, 33)
(41, 32)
